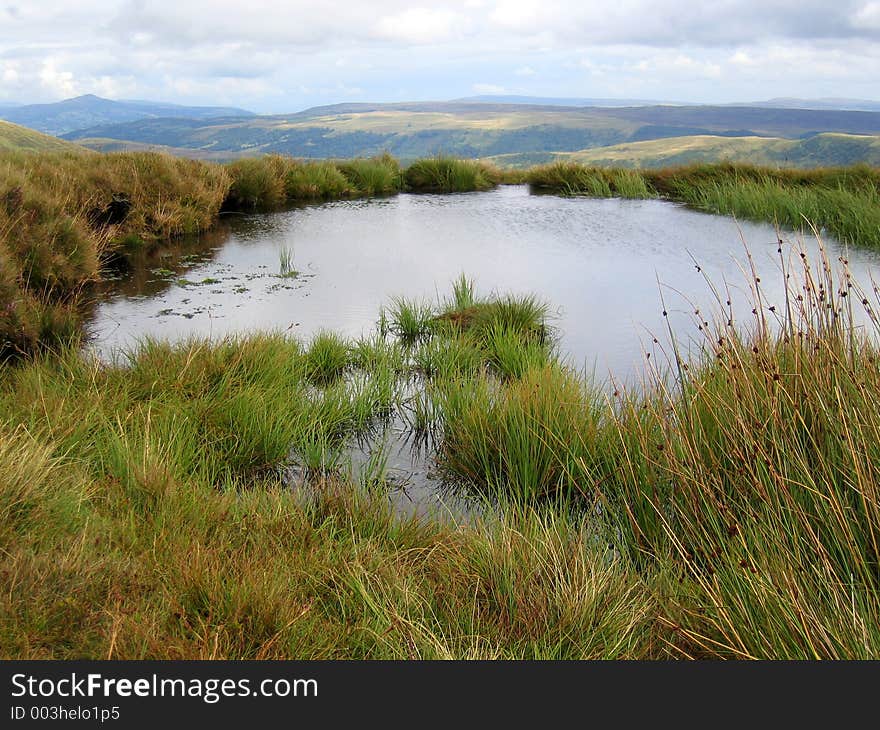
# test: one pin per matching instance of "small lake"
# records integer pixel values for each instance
(602, 264)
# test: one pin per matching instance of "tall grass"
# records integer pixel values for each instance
(844, 201)
(752, 480)
(731, 511)
(156, 524)
(64, 216)
(569, 178)
(375, 176)
(449, 175)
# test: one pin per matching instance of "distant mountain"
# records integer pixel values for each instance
(88, 111)
(468, 129)
(14, 137)
(560, 101)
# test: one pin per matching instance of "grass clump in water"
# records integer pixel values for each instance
(449, 175)
(410, 321)
(374, 176)
(327, 358)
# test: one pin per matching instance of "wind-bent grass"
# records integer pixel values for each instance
(449, 175)
(375, 176)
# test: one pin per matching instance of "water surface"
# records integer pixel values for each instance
(601, 264)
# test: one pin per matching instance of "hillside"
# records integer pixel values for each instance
(15, 137)
(89, 110)
(470, 129)
(830, 149)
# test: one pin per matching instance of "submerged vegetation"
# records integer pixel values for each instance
(729, 510)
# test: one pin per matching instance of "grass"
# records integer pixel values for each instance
(16, 138)
(66, 216)
(843, 201)
(449, 175)
(285, 263)
(569, 178)
(157, 524)
(327, 358)
(730, 511)
(376, 176)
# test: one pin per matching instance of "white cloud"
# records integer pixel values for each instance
(524, 15)
(57, 81)
(868, 16)
(421, 25)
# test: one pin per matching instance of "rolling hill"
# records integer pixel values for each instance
(829, 149)
(15, 137)
(87, 111)
(469, 129)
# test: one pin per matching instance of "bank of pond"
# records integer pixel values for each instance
(67, 219)
(231, 498)
(195, 499)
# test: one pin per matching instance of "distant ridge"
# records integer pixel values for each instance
(827, 104)
(562, 101)
(89, 110)
(821, 150)
(859, 105)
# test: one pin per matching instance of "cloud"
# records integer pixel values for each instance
(421, 25)
(262, 53)
(868, 16)
(56, 80)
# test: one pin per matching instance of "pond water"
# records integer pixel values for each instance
(601, 264)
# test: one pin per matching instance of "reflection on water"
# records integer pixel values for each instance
(602, 265)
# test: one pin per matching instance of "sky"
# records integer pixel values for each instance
(275, 57)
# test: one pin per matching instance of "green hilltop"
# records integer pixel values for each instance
(16, 138)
